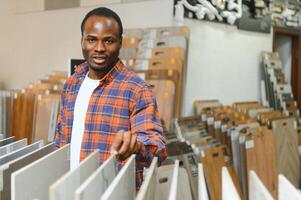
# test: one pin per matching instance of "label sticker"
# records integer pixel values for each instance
(249, 144)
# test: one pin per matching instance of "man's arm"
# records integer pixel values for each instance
(60, 138)
(146, 124)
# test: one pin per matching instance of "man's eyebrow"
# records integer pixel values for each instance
(91, 36)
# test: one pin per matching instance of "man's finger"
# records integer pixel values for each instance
(117, 142)
(126, 140)
(132, 147)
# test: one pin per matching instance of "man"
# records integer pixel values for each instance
(105, 105)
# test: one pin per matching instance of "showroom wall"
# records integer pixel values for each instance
(224, 63)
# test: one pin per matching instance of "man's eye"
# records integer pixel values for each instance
(91, 40)
(109, 41)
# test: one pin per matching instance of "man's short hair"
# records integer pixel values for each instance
(105, 12)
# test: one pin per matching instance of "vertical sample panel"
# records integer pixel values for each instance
(124, 185)
(57, 163)
(148, 187)
(65, 187)
(98, 182)
(19, 163)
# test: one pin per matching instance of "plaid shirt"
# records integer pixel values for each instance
(122, 101)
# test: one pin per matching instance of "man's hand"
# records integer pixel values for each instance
(125, 144)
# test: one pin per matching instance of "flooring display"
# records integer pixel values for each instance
(20, 162)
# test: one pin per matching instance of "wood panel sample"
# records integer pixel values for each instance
(287, 155)
(260, 157)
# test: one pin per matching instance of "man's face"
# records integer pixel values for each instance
(101, 42)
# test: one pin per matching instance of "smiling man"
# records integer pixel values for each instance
(105, 105)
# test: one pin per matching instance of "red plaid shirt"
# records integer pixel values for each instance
(122, 101)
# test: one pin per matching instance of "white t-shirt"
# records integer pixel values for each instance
(80, 111)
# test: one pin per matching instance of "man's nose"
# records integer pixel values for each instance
(99, 46)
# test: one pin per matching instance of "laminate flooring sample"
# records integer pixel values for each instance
(261, 157)
(65, 187)
(57, 163)
(97, 183)
(124, 185)
(17, 164)
(24, 106)
(287, 155)
(43, 119)
(165, 94)
(213, 161)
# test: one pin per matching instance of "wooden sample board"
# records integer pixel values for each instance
(95, 185)
(287, 155)
(57, 163)
(23, 115)
(213, 160)
(17, 164)
(13, 146)
(65, 187)
(165, 95)
(46, 116)
(148, 187)
(124, 185)
(261, 157)
(234, 133)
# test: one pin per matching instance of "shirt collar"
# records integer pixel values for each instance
(82, 70)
